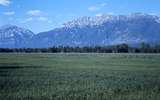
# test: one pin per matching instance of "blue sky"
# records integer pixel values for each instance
(44, 15)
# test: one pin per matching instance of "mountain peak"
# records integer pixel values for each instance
(14, 28)
(13, 36)
(8, 26)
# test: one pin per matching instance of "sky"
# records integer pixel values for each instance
(45, 15)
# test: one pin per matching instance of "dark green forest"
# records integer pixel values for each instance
(121, 48)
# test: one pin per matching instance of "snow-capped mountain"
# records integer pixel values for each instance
(14, 37)
(103, 30)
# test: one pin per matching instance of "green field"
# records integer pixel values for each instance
(79, 77)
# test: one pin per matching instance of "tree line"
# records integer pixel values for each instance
(122, 48)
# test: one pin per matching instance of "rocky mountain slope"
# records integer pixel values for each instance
(14, 37)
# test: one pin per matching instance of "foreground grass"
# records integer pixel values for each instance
(79, 77)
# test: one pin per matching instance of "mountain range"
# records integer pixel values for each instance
(103, 30)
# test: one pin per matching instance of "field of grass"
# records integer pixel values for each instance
(79, 77)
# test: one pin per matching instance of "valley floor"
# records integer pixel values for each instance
(79, 77)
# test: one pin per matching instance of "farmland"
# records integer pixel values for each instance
(79, 76)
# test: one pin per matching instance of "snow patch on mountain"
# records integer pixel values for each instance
(89, 21)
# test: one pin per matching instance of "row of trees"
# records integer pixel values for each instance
(122, 48)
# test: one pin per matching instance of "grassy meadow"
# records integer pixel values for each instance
(79, 77)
